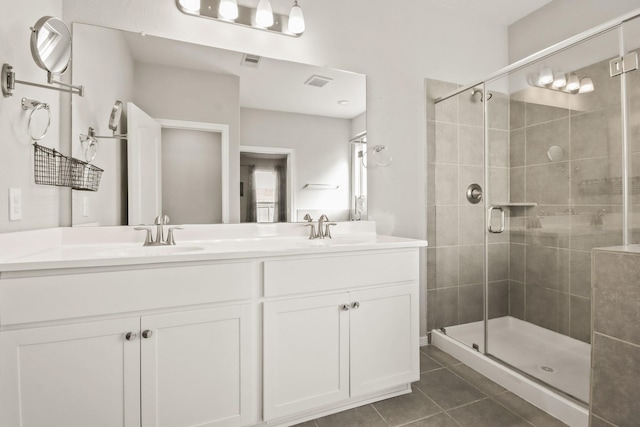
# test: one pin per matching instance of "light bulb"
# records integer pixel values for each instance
(573, 83)
(560, 81)
(545, 77)
(264, 14)
(586, 85)
(190, 5)
(228, 9)
(296, 19)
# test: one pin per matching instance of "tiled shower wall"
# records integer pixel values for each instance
(550, 267)
(455, 227)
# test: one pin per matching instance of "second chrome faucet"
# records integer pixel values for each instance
(323, 230)
(160, 222)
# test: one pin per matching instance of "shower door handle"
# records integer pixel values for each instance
(490, 220)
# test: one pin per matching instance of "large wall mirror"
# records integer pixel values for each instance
(214, 136)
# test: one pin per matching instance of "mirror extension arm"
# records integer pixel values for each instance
(9, 83)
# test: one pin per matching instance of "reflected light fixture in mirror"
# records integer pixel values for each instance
(568, 83)
(256, 14)
(586, 85)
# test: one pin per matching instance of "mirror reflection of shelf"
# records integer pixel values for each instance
(514, 205)
(321, 186)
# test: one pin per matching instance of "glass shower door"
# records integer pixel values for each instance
(554, 159)
(456, 242)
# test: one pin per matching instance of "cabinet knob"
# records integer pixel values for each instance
(147, 333)
(130, 336)
(345, 307)
(355, 305)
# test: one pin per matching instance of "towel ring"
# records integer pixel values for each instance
(381, 156)
(35, 106)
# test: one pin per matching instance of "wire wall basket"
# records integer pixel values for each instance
(86, 177)
(601, 186)
(51, 167)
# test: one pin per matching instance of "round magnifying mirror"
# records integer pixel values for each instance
(116, 112)
(51, 44)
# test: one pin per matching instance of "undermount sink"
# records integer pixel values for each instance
(149, 251)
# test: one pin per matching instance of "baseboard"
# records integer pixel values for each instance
(425, 340)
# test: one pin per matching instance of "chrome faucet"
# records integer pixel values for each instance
(160, 222)
(312, 231)
(323, 227)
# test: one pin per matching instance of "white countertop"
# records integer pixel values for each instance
(87, 247)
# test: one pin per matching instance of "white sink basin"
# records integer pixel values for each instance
(140, 251)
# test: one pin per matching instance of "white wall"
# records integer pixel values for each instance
(560, 20)
(104, 84)
(396, 50)
(41, 204)
(321, 147)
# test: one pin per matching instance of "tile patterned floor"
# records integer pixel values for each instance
(449, 394)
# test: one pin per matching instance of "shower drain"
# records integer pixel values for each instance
(547, 369)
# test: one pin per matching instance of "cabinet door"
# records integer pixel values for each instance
(78, 375)
(306, 354)
(197, 368)
(384, 338)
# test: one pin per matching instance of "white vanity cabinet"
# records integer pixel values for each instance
(77, 375)
(325, 349)
(196, 368)
(211, 339)
(175, 366)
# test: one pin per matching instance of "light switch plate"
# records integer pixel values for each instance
(15, 204)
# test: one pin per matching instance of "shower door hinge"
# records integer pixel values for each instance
(623, 64)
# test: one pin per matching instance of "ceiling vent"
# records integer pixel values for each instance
(249, 60)
(318, 81)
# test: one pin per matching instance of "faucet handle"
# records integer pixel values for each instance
(312, 231)
(308, 218)
(170, 239)
(327, 230)
(161, 220)
(148, 239)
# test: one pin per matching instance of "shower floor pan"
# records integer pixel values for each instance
(558, 360)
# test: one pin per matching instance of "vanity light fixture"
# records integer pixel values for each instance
(296, 19)
(228, 9)
(190, 5)
(264, 14)
(257, 14)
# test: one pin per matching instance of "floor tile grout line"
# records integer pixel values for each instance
(419, 419)
(513, 412)
(430, 399)
(467, 404)
(471, 384)
(379, 414)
